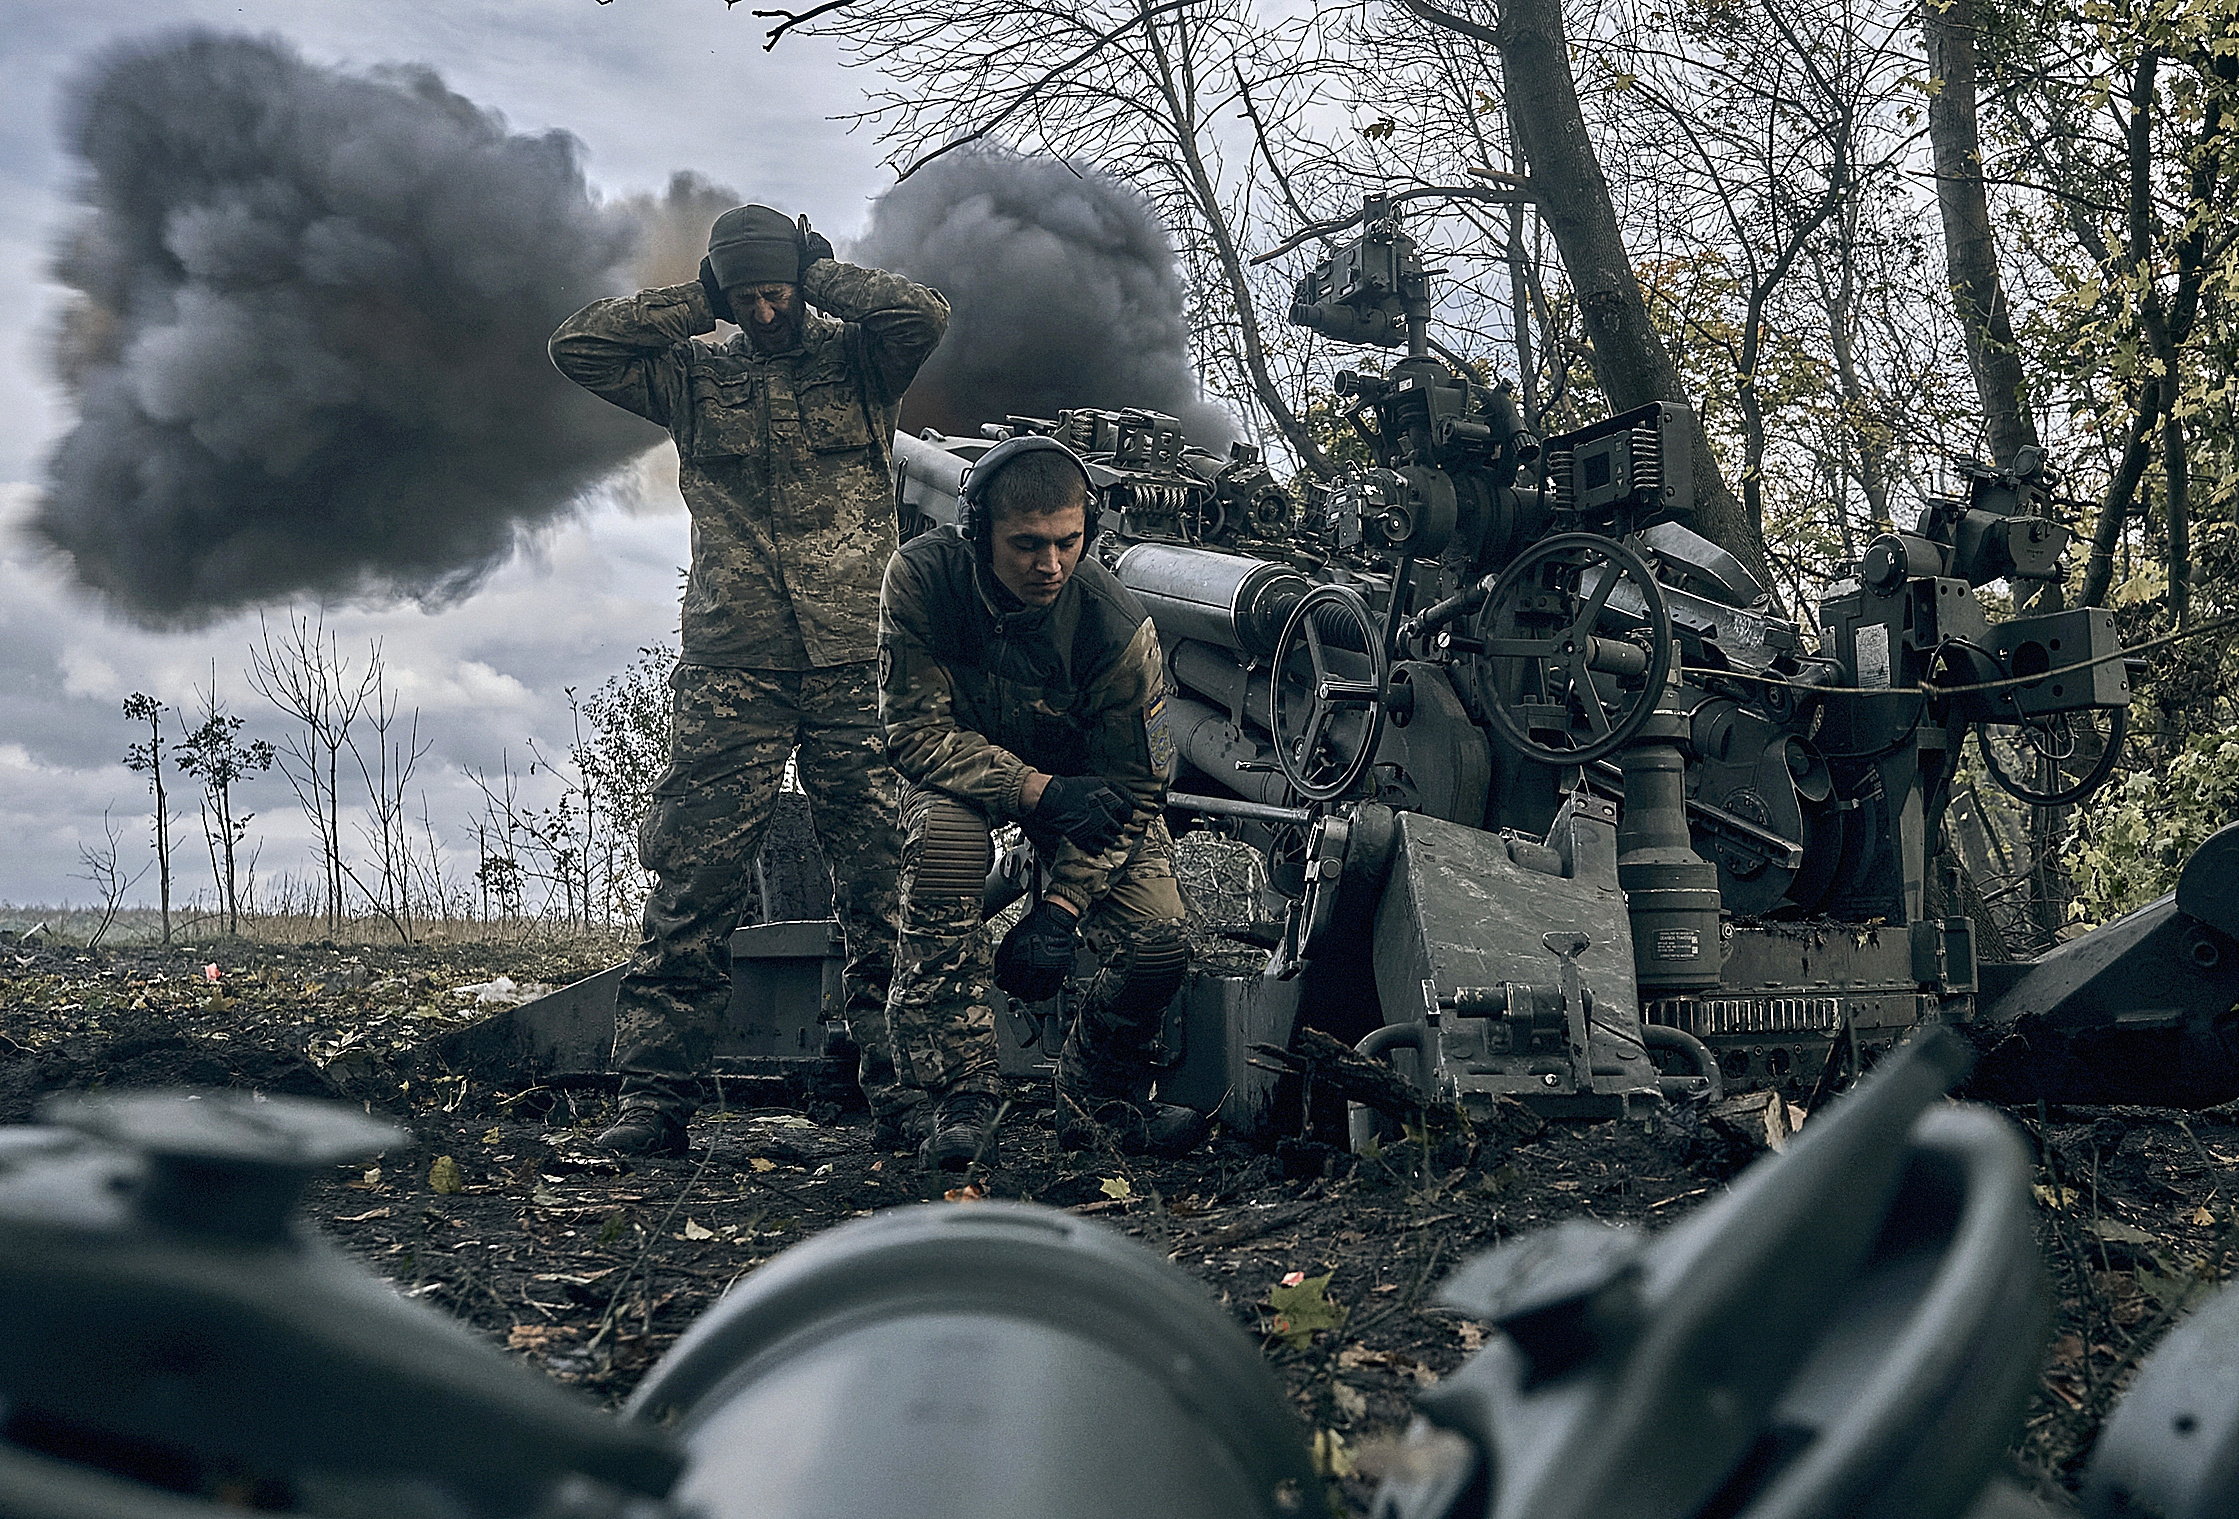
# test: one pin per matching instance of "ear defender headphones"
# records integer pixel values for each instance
(971, 511)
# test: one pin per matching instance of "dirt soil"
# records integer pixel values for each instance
(588, 1269)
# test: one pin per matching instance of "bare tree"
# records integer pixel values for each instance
(303, 673)
(147, 759)
(112, 882)
(1140, 88)
(397, 749)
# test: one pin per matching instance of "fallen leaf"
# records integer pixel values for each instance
(536, 1336)
(1332, 1457)
(359, 1218)
(210, 974)
(493, 1137)
(759, 1164)
(1350, 1400)
(2177, 1285)
(445, 1176)
(1303, 1309)
(545, 1197)
(2119, 1233)
(1116, 1186)
(968, 1193)
(693, 1229)
(2056, 1197)
(1472, 1336)
(2202, 1217)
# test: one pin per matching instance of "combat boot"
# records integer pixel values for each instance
(1171, 1131)
(1115, 1123)
(644, 1129)
(961, 1132)
(1097, 1107)
(1164, 1129)
(901, 1129)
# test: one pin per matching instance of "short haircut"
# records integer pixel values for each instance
(1033, 484)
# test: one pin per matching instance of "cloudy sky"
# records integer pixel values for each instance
(649, 87)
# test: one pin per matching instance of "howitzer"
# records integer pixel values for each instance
(1561, 806)
(1854, 1328)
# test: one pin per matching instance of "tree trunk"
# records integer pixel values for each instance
(2122, 493)
(1631, 364)
(1948, 29)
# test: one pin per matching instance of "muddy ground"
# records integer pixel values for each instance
(588, 1269)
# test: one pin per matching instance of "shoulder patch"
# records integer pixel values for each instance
(1156, 737)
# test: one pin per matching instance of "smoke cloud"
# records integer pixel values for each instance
(1063, 290)
(308, 339)
(672, 228)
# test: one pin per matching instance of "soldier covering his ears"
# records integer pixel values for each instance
(1020, 680)
(783, 437)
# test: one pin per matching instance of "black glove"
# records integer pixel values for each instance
(1087, 809)
(814, 245)
(716, 300)
(1035, 955)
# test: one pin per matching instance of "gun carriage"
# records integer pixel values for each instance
(1558, 803)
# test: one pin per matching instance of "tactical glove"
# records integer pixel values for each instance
(1087, 809)
(814, 245)
(1032, 961)
(716, 300)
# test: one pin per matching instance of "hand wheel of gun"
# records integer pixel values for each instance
(1087, 809)
(1034, 956)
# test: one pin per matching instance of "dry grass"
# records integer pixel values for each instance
(77, 926)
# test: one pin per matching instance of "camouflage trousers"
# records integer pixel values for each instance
(731, 732)
(941, 1012)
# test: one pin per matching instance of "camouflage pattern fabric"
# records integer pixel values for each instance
(784, 460)
(941, 1012)
(975, 690)
(731, 733)
(1224, 885)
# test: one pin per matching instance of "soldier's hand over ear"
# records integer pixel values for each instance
(814, 245)
(1034, 956)
(1087, 809)
(717, 302)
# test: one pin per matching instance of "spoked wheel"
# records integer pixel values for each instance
(2056, 759)
(1581, 695)
(1329, 681)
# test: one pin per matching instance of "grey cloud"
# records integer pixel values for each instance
(1064, 291)
(307, 344)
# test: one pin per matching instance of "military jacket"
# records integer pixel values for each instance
(975, 689)
(784, 460)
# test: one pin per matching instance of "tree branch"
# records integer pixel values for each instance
(792, 18)
(1443, 192)
(1104, 40)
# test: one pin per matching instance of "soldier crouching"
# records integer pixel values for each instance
(1018, 679)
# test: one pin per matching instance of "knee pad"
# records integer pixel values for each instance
(954, 851)
(1154, 957)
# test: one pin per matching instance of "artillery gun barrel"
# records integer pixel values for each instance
(1228, 600)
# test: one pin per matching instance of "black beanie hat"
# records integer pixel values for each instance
(753, 245)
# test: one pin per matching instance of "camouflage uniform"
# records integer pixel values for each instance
(784, 461)
(974, 690)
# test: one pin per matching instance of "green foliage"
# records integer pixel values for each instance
(627, 745)
(2135, 837)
